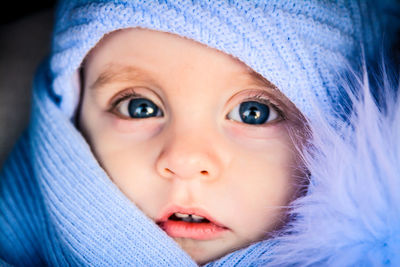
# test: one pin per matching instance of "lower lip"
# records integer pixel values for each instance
(200, 231)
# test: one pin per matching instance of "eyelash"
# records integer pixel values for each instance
(264, 99)
(253, 96)
(127, 94)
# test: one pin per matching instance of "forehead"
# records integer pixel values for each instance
(144, 46)
(112, 73)
(134, 53)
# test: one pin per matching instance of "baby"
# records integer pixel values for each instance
(170, 133)
(195, 138)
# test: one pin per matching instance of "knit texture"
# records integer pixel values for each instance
(58, 207)
(351, 213)
(299, 46)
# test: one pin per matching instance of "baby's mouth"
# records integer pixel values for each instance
(191, 218)
(190, 223)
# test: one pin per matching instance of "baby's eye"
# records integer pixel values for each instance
(253, 112)
(139, 108)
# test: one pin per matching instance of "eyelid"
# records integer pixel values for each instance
(130, 93)
(121, 97)
(264, 98)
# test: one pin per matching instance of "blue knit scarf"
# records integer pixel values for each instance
(58, 207)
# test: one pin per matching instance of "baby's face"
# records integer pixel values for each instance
(180, 127)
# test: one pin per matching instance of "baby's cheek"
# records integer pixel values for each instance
(120, 137)
(262, 187)
(128, 167)
(139, 129)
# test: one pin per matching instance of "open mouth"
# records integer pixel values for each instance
(189, 224)
(191, 218)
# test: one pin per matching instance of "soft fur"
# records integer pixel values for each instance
(351, 213)
(58, 207)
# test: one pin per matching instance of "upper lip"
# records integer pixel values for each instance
(169, 210)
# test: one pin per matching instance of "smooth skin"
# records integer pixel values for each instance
(195, 151)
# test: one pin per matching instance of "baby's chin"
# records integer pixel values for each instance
(204, 251)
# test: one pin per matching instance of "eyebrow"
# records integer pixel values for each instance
(121, 73)
(125, 73)
(261, 80)
(118, 73)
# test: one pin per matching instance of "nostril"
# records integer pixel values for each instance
(168, 171)
(204, 172)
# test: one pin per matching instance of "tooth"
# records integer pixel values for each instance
(196, 217)
(181, 215)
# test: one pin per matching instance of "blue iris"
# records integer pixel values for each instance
(142, 108)
(253, 112)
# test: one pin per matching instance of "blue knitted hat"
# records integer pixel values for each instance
(299, 46)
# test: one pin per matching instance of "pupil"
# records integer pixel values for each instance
(253, 112)
(142, 108)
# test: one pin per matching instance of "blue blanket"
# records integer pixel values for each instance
(58, 207)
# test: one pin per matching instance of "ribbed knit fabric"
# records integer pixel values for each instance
(78, 216)
(57, 205)
(299, 46)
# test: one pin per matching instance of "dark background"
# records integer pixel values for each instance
(25, 31)
(15, 10)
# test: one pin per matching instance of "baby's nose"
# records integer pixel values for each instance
(188, 158)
